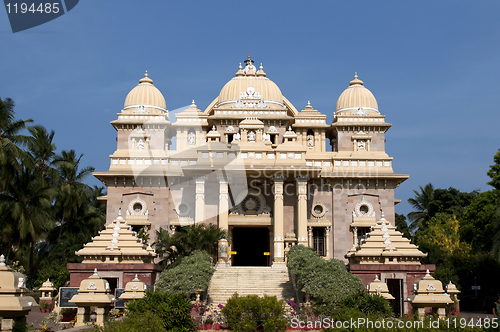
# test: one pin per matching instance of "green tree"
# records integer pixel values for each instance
(72, 198)
(477, 222)
(188, 239)
(26, 205)
(450, 201)
(10, 140)
(420, 204)
(402, 226)
(441, 240)
(494, 172)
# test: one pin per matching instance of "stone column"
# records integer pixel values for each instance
(327, 239)
(223, 221)
(200, 199)
(355, 236)
(310, 234)
(302, 211)
(279, 250)
(83, 316)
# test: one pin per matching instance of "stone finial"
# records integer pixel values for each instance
(146, 74)
(95, 272)
(2, 260)
(308, 103)
(192, 103)
(136, 276)
(356, 75)
(376, 278)
(240, 67)
(213, 128)
(382, 215)
(261, 67)
(427, 273)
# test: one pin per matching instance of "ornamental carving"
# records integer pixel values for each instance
(363, 214)
(141, 110)
(318, 210)
(137, 207)
(250, 99)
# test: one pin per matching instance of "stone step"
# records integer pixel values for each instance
(249, 280)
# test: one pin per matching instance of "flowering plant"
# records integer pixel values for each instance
(208, 313)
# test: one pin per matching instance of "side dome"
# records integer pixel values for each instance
(252, 85)
(146, 96)
(356, 96)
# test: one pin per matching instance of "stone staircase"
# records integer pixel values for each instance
(250, 280)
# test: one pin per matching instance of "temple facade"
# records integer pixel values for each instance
(253, 164)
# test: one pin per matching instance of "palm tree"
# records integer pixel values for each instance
(72, 198)
(26, 207)
(420, 204)
(189, 238)
(10, 140)
(41, 151)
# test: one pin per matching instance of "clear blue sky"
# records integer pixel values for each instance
(432, 65)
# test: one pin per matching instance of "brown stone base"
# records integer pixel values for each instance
(147, 273)
(409, 273)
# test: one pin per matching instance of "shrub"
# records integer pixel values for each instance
(368, 304)
(249, 313)
(327, 281)
(173, 310)
(194, 272)
(139, 322)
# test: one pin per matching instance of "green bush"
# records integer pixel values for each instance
(173, 310)
(368, 304)
(139, 322)
(249, 313)
(327, 281)
(194, 272)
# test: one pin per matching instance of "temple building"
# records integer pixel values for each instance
(253, 164)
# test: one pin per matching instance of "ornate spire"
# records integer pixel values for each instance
(249, 61)
(146, 74)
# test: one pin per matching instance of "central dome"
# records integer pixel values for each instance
(250, 84)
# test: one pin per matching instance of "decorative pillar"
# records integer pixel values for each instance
(223, 221)
(279, 250)
(327, 231)
(223, 203)
(200, 199)
(355, 236)
(310, 234)
(302, 210)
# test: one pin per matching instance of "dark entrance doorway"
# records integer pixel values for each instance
(395, 287)
(113, 284)
(250, 244)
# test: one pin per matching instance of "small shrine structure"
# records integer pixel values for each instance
(429, 293)
(14, 305)
(134, 289)
(452, 290)
(93, 292)
(119, 255)
(386, 253)
(48, 292)
(380, 288)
